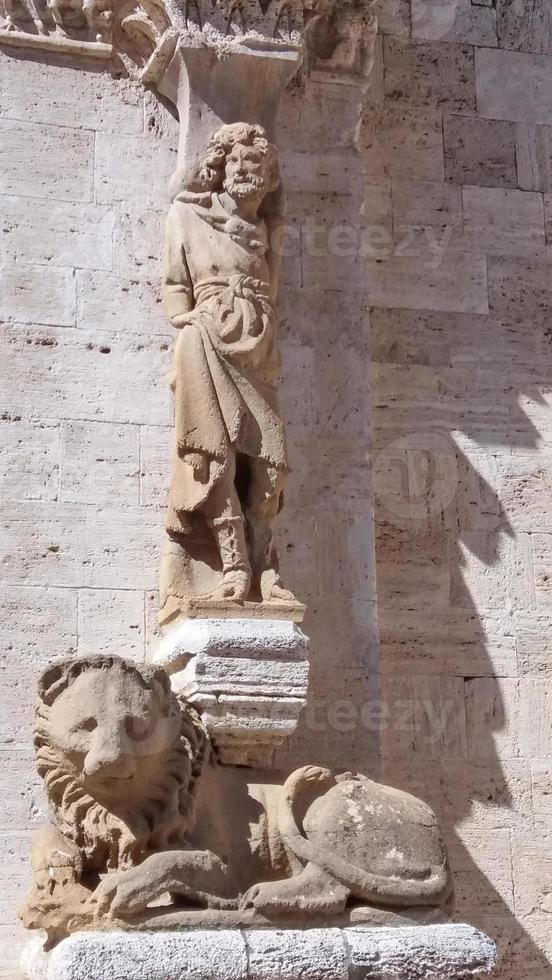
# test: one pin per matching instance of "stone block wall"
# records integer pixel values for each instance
(86, 416)
(452, 256)
(457, 156)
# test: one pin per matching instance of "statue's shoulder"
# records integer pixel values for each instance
(189, 212)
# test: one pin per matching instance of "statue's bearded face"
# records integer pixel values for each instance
(246, 172)
(109, 730)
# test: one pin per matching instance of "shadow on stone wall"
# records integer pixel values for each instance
(456, 591)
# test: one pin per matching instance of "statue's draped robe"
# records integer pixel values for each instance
(226, 361)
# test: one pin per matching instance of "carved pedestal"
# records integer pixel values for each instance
(433, 952)
(248, 678)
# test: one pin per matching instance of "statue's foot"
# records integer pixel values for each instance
(235, 586)
(272, 588)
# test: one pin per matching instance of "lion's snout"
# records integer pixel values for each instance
(107, 759)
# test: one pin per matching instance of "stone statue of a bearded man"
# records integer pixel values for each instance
(220, 283)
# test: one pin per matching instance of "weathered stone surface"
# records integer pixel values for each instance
(463, 588)
(71, 235)
(111, 621)
(450, 951)
(337, 173)
(489, 398)
(493, 706)
(289, 955)
(427, 714)
(533, 644)
(332, 240)
(513, 86)
(535, 728)
(520, 289)
(441, 952)
(169, 956)
(279, 640)
(525, 27)
(430, 279)
(323, 119)
(480, 151)
(69, 96)
(485, 852)
(431, 75)
(428, 207)
(532, 892)
(155, 448)
(455, 20)
(136, 249)
(113, 378)
(503, 222)
(409, 337)
(393, 17)
(99, 461)
(497, 587)
(118, 303)
(534, 157)
(75, 546)
(402, 142)
(58, 161)
(29, 295)
(43, 623)
(457, 644)
(132, 170)
(541, 780)
(29, 458)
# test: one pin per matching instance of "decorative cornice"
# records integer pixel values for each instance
(80, 27)
(335, 36)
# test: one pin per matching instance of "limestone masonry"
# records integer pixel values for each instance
(274, 472)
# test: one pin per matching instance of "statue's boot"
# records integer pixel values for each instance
(236, 571)
(264, 562)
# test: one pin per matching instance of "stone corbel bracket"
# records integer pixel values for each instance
(81, 27)
(222, 61)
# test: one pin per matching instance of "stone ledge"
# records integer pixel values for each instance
(441, 952)
(56, 43)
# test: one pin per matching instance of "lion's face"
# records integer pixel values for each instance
(109, 729)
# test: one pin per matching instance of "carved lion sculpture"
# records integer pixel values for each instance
(148, 831)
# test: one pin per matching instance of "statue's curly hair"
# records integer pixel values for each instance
(211, 172)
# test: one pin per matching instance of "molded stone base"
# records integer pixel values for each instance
(447, 952)
(248, 678)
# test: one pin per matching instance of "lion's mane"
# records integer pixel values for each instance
(120, 837)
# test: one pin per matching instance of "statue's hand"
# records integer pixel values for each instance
(180, 320)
